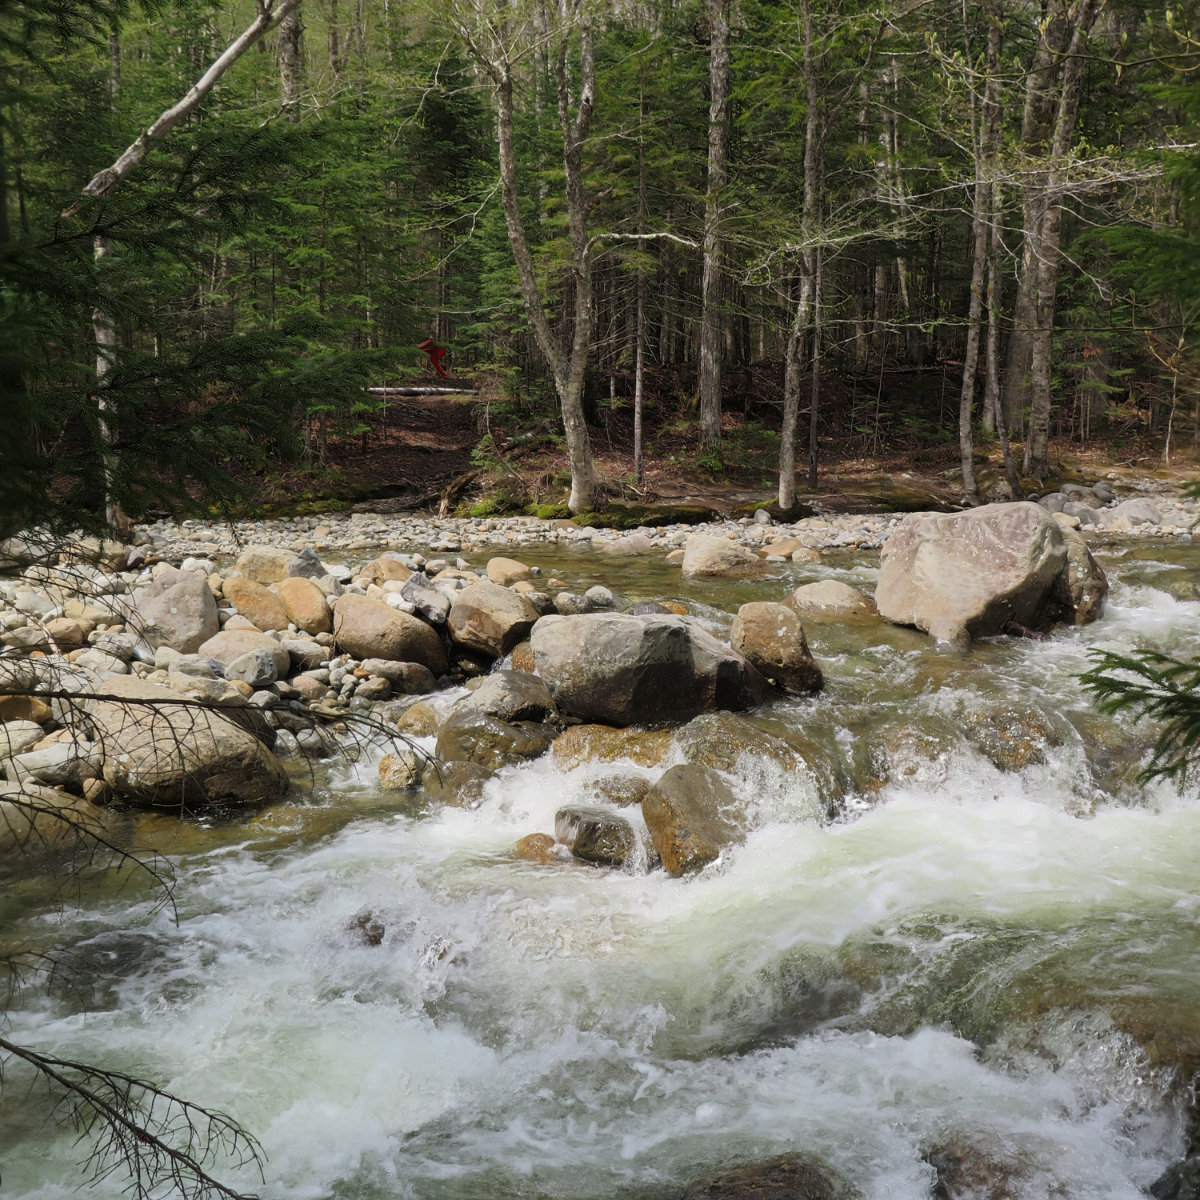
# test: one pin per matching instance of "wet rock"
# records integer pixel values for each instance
(522, 658)
(965, 1172)
(771, 638)
(715, 556)
(161, 753)
(1082, 586)
(471, 736)
(257, 603)
(830, 598)
(650, 608)
(456, 784)
(305, 605)
(596, 835)
(490, 619)
(603, 743)
(402, 769)
(623, 789)
(787, 1177)
(536, 848)
(369, 629)
(367, 928)
(176, 609)
(1010, 737)
(511, 696)
(691, 815)
(620, 669)
(964, 575)
(419, 720)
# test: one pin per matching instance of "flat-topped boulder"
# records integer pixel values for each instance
(966, 575)
(621, 669)
(830, 598)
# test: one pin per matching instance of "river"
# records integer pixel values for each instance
(966, 931)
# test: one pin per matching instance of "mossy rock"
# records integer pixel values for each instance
(798, 511)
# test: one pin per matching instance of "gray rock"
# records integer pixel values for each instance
(258, 668)
(830, 598)
(231, 644)
(467, 735)
(511, 696)
(306, 564)
(426, 599)
(18, 736)
(1054, 502)
(570, 604)
(762, 517)
(1141, 510)
(1082, 586)
(964, 575)
(599, 598)
(621, 669)
(1085, 514)
(177, 609)
(64, 764)
(103, 664)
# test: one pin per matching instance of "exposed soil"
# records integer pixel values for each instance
(456, 451)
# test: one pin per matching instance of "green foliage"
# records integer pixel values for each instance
(1151, 684)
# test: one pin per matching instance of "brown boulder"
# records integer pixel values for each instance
(305, 605)
(489, 618)
(692, 816)
(257, 603)
(771, 637)
(369, 629)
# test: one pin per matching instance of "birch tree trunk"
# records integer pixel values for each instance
(291, 69)
(711, 323)
(496, 48)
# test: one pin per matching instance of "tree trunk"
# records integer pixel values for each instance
(792, 370)
(711, 319)
(291, 76)
(815, 393)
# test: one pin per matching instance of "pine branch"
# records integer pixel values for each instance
(1152, 684)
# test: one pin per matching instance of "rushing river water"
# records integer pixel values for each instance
(963, 930)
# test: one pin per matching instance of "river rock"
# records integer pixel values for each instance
(408, 679)
(419, 720)
(522, 658)
(176, 609)
(602, 743)
(468, 735)
(1141, 510)
(596, 835)
(304, 604)
(1082, 586)
(265, 564)
(716, 556)
(964, 575)
(402, 769)
(67, 764)
(380, 570)
(257, 603)
(36, 821)
(163, 753)
(306, 565)
(629, 546)
(68, 633)
(787, 1177)
(369, 629)
(456, 784)
(536, 848)
(18, 736)
(507, 571)
(489, 618)
(619, 669)
(258, 668)
(690, 815)
(231, 644)
(771, 637)
(430, 601)
(511, 696)
(830, 598)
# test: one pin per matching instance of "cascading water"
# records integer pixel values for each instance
(990, 955)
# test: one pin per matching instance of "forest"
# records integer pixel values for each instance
(958, 230)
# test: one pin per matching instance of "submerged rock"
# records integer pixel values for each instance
(603, 743)
(787, 1177)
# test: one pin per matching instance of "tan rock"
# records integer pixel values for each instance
(507, 571)
(536, 848)
(603, 743)
(690, 813)
(717, 556)
(419, 720)
(771, 637)
(257, 603)
(305, 604)
(830, 598)
(233, 643)
(264, 564)
(489, 618)
(370, 629)
(381, 569)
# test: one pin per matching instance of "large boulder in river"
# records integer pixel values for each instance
(964, 575)
(704, 555)
(161, 751)
(511, 696)
(1083, 586)
(369, 629)
(621, 669)
(305, 604)
(830, 598)
(772, 638)
(265, 564)
(692, 815)
(468, 735)
(490, 618)
(177, 609)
